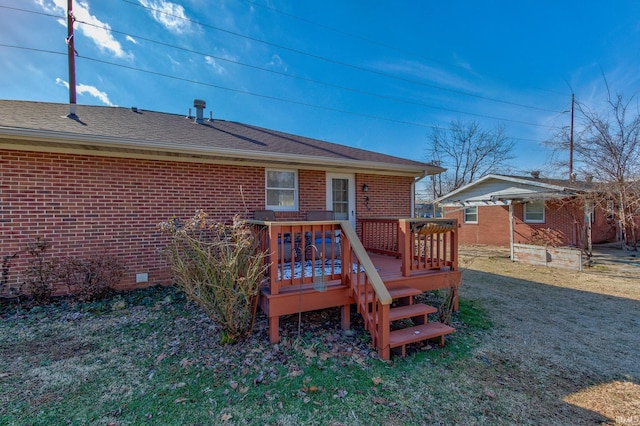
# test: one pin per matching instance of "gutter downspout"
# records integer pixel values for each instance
(413, 193)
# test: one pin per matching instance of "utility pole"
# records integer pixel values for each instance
(71, 52)
(571, 139)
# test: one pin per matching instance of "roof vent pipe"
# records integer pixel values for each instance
(199, 105)
(535, 174)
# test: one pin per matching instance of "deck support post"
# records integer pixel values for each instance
(274, 329)
(346, 317)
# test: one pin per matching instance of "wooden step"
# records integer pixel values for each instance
(408, 311)
(398, 293)
(400, 338)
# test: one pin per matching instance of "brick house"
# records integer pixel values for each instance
(103, 180)
(501, 210)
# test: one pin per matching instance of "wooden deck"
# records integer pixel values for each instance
(389, 269)
(375, 277)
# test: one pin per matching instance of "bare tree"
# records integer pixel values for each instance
(608, 148)
(468, 152)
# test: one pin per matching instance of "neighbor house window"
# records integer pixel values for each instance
(534, 212)
(611, 212)
(282, 189)
(471, 215)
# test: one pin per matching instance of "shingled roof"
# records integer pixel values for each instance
(104, 130)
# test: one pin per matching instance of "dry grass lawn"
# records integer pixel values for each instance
(558, 348)
(567, 342)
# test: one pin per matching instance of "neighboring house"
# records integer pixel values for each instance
(501, 210)
(102, 181)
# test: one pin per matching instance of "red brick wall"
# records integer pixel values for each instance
(603, 231)
(85, 204)
(492, 227)
(562, 227)
(388, 196)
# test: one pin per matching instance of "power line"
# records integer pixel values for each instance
(372, 41)
(33, 49)
(33, 11)
(334, 61)
(392, 98)
(348, 34)
(245, 92)
(310, 80)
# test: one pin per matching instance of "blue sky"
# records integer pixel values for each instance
(376, 75)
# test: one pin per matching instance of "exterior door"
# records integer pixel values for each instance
(341, 197)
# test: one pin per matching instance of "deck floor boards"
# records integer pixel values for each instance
(389, 268)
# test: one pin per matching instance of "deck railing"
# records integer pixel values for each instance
(420, 243)
(296, 248)
(380, 235)
(300, 253)
(372, 298)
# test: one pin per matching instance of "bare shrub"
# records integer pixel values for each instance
(450, 295)
(92, 278)
(41, 274)
(5, 290)
(448, 304)
(220, 267)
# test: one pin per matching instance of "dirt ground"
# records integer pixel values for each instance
(570, 338)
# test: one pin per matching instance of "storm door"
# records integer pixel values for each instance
(341, 197)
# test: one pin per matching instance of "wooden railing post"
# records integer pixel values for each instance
(405, 246)
(454, 246)
(274, 284)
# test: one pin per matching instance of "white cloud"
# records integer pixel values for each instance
(421, 72)
(131, 39)
(215, 65)
(171, 15)
(99, 32)
(277, 62)
(173, 61)
(82, 89)
(463, 63)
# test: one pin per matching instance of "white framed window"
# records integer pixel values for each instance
(534, 212)
(281, 189)
(471, 215)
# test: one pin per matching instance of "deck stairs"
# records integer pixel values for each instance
(408, 322)
(407, 263)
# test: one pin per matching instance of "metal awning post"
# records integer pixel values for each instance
(511, 231)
